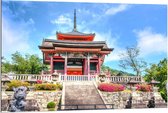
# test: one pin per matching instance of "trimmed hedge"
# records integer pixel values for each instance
(48, 86)
(16, 83)
(110, 87)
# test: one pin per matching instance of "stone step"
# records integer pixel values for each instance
(160, 105)
(81, 93)
(142, 105)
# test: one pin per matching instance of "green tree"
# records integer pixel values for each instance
(158, 72)
(35, 65)
(30, 64)
(20, 64)
(6, 67)
(115, 72)
(130, 60)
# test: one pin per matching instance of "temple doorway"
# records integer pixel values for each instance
(75, 66)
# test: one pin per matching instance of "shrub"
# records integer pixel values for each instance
(51, 109)
(143, 87)
(45, 86)
(59, 86)
(110, 87)
(48, 86)
(51, 105)
(16, 83)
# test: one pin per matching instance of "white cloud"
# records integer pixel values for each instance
(16, 31)
(111, 42)
(13, 39)
(15, 34)
(62, 19)
(115, 10)
(30, 21)
(63, 24)
(150, 42)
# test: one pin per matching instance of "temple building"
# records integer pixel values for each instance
(74, 53)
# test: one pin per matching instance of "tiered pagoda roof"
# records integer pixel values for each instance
(73, 46)
(75, 41)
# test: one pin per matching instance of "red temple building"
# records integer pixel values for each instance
(74, 53)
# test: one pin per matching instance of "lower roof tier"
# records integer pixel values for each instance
(54, 46)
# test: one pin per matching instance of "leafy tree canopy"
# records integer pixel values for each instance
(28, 64)
(158, 72)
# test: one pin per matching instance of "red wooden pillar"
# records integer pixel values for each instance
(84, 68)
(88, 66)
(65, 65)
(99, 66)
(51, 65)
(86, 71)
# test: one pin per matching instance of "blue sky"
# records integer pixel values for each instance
(25, 24)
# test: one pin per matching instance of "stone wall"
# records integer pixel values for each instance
(139, 99)
(41, 97)
(118, 99)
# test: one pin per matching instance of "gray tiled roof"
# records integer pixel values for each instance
(50, 44)
(76, 33)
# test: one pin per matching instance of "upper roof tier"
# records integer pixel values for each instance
(75, 35)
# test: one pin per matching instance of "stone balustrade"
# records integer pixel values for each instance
(30, 77)
(50, 78)
(121, 78)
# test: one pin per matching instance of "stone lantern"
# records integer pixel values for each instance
(4, 95)
(5, 99)
(30, 94)
(155, 92)
(132, 84)
(153, 83)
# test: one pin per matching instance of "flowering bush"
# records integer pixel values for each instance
(143, 87)
(110, 87)
(39, 81)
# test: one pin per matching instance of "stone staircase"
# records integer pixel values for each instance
(82, 95)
